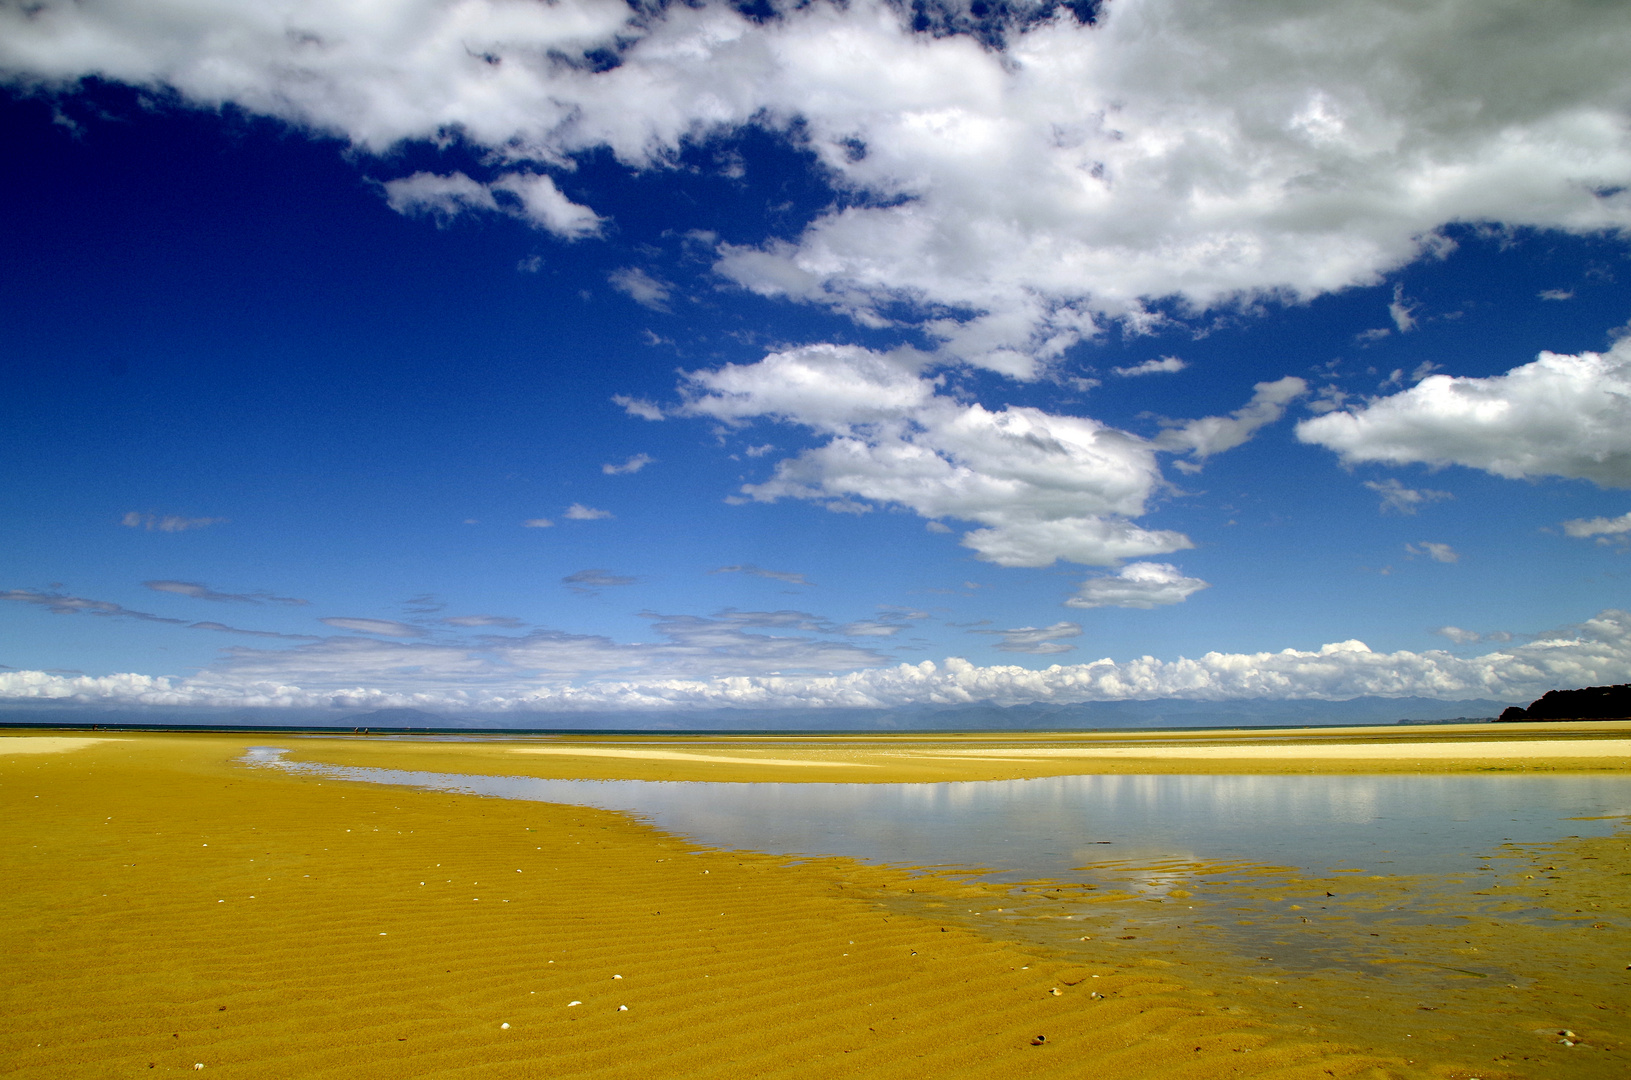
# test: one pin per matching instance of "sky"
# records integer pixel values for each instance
(497, 355)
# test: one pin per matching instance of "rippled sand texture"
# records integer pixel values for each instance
(164, 907)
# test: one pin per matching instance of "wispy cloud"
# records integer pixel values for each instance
(538, 523)
(1468, 637)
(1163, 366)
(784, 619)
(225, 629)
(632, 465)
(1137, 585)
(383, 627)
(1036, 640)
(1398, 499)
(169, 523)
(642, 288)
(1402, 310)
(759, 571)
(871, 628)
(589, 582)
(62, 604)
(640, 407)
(198, 591)
(580, 512)
(469, 621)
(1443, 553)
(1615, 530)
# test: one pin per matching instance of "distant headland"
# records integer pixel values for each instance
(1589, 703)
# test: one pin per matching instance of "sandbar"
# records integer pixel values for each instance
(926, 757)
(649, 754)
(1494, 750)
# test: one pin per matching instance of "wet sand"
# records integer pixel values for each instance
(167, 907)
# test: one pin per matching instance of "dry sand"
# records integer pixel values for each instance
(44, 744)
(166, 907)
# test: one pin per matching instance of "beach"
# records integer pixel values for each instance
(168, 907)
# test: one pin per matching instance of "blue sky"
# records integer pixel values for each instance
(504, 356)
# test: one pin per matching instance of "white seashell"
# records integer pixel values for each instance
(569, 1004)
(622, 1008)
(617, 976)
(504, 1027)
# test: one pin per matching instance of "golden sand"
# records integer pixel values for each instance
(166, 907)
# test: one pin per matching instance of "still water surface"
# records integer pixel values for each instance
(1050, 828)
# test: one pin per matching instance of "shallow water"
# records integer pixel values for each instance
(1066, 826)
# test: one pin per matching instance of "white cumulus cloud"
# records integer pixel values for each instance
(1041, 486)
(1018, 198)
(1567, 416)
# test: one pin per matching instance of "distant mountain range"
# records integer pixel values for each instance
(1168, 713)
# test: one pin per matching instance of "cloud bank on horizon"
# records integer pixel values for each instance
(1595, 652)
(969, 317)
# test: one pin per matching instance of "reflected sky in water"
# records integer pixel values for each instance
(1049, 827)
